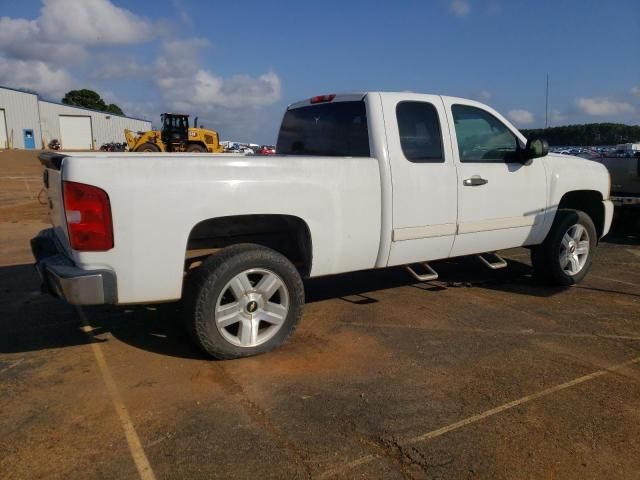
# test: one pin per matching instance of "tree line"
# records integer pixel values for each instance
(589, 134)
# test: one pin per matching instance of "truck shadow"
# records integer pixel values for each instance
(625, 230)
(32, 322)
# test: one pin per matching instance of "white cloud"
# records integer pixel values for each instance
(180, 57)
(23, 39)
(521, 117)
(635, 91)
(34, 75)
(186, 86)
(602, 106)
(34, 53)
(207, 90)
(92, 22)
(65, 27)
(41, 54)
(461, 8)
(109, 67)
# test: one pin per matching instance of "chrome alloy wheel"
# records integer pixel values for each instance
(252, 307)
(574, 249)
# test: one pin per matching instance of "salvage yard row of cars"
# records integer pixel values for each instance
(360, 181)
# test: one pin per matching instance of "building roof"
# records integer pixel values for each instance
(18, 90)
(73, 106)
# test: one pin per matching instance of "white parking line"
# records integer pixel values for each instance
(476, 418)
(135, 446)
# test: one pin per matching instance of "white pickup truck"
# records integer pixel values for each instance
(361, 181)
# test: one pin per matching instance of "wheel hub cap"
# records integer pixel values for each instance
(574, 249)
(252, 307)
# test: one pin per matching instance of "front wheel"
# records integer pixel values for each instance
(196, 148)
(243, 301)
(564, 258)
(148, 147)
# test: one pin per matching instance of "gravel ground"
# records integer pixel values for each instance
(481, 374)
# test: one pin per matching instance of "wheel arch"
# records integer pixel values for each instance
(286, 234)
(588, 201)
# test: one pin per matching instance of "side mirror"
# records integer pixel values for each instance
(536, 148)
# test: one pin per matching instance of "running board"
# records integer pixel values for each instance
(431, 275)
(494, 263)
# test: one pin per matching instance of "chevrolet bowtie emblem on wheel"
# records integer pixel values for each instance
(252, 307)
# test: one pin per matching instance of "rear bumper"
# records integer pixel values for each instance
(63, 279)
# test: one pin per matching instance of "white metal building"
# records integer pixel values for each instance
(28, 122)
(19, 119)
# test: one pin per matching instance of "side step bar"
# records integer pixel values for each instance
(494, 261)
(430, 275)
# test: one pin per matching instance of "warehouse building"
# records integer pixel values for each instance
(28, 122)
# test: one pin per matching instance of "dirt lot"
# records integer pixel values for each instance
(481, 374)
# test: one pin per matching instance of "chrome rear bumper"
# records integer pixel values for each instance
(62, 278)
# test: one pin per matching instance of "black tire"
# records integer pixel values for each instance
(196, 148)
(545, 258)
(148, 147)
(204, 287)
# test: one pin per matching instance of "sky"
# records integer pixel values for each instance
(238, 64)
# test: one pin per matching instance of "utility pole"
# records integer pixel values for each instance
(546, 105)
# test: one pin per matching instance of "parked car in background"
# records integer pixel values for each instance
(619, 154)
(266, 150)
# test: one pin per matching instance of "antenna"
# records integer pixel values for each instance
(546, 105)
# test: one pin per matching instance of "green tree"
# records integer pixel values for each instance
(113, 108)
(90, 99)
(590, 134)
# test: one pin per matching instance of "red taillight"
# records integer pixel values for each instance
(88, 217)
(322, 98)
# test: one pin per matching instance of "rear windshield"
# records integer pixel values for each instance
(329, 129)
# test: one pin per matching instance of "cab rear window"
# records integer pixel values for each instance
(329, 129)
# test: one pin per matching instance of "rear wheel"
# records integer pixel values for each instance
(566, 254)
(243, 301)
(196, 148)
(148, 147)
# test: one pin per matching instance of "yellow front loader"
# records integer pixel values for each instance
(175, 136)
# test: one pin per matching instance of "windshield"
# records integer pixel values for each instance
(173, 121)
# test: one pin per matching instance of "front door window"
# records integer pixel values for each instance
(482, 137)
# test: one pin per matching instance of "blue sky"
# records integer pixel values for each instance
(238, 64)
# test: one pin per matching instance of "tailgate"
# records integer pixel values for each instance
(52, 179)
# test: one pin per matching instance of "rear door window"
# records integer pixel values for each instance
(336, 129)
(420, 135)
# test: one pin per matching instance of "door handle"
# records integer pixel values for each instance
(474, 181)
